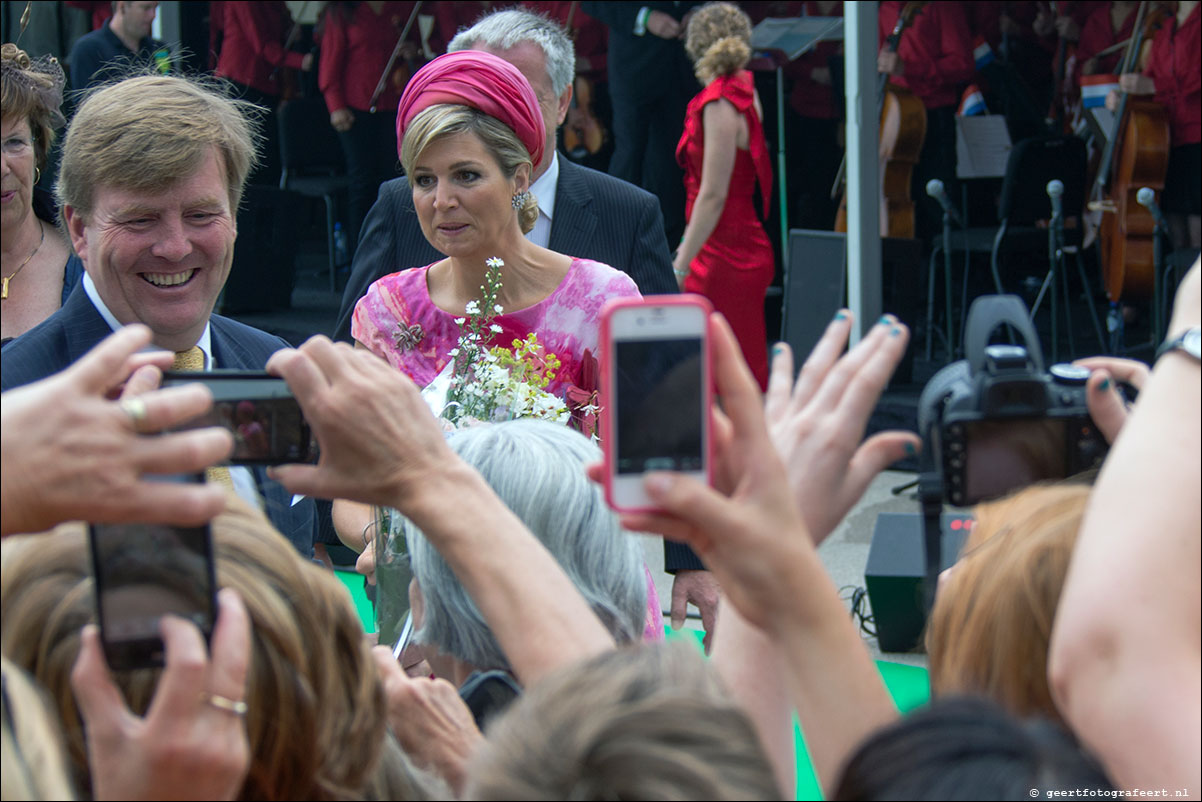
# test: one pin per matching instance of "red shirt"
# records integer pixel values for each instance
(355, 48)
(810, 98)
(936, 51)
(252, 48)
(1175, 66)
(1097, 34)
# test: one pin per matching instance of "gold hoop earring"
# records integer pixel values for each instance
(37, 174)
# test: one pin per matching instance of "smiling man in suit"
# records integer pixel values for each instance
(152, 172)
(582, 213)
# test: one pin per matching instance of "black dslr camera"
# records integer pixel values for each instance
(998, 421)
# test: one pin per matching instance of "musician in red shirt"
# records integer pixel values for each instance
(253, 58)
(357, 40)
(934, 61)
(1104, 29)
(1174, 77)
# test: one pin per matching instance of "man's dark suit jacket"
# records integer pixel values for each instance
(77, 326)
(596, 217)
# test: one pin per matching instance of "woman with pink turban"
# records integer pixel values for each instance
(470, 131)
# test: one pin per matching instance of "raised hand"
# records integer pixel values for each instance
(70, 453)
(817, 423)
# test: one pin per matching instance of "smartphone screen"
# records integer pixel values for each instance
(658, 388)
(143, 572)
(261, 413)
(657, 399)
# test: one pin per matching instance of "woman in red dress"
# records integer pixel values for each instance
(725, 254)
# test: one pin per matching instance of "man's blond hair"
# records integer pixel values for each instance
(146, 133)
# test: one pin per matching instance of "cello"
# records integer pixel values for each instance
(1136, 156)
(903, 121)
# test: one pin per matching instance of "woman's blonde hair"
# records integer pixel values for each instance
(718, 40)
(316, 722)
(448, 119)
(989, 630)
(33, 761)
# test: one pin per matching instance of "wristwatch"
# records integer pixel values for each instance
(1189, 341)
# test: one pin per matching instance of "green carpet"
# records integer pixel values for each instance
(909, 685)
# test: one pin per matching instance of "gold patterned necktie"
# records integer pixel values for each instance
(193, 360)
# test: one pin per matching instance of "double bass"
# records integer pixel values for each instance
(1136, 156)
(903, 129)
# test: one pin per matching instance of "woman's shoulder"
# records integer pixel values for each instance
(587, 273)
(738, 88)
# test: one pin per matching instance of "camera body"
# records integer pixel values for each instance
(998, 420)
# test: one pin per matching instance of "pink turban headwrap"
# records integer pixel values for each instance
(483, 82)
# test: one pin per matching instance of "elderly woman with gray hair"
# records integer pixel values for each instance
(537, 470)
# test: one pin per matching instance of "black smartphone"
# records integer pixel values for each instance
(488, 693)
(259, 410)
(142, 572)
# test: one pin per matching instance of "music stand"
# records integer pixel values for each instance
(782, 41)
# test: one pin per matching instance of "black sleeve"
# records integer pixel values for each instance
(619, 16)
(679, 557)
(650, 264)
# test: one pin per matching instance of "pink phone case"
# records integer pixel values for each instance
(608, 435)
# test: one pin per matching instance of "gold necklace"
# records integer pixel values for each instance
(4, 292)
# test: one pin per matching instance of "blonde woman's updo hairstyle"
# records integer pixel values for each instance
(448, 119)
(718, 41)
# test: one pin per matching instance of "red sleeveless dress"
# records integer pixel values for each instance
(736, 264)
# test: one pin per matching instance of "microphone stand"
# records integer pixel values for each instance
(1159, 233)
(1056, 269)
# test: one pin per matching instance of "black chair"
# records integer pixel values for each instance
(311, 161)
(1032, 164)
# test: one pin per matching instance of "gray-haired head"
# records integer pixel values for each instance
(537, 469)
(502, 30)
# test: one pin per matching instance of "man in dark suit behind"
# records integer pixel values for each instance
(582, 213)
(650, 84)
(152, 172)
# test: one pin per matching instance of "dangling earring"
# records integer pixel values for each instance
(37, 174)
(520, 198)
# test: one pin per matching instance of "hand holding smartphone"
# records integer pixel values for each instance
(656, 391)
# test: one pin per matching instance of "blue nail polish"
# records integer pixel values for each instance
(884, 321)
(1104, 385)
(776, 349)
(910, 450)
(895, 332)
(840, 316)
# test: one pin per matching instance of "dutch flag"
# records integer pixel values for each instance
(1095, 88)
(972, 102)
(982, 53)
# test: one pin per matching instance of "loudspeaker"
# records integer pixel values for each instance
(894, 574)
(813, 288)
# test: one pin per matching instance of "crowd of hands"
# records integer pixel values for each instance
(788, 466)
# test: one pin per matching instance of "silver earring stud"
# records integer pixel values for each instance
(520, 198)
